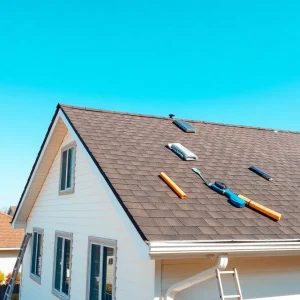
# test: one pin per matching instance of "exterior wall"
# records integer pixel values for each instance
(91, 211)
(8, 260)
(260, 278)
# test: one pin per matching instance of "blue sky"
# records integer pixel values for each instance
(224, 61)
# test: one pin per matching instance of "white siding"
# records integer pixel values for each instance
(8, 260)
(90, 211)
(260, 278)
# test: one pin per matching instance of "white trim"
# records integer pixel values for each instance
(9, 249)
(64, 236)
(160, 249)
(40, 235)
(23, 224)
(70, 190)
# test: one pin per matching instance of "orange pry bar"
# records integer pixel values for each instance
(173, 185)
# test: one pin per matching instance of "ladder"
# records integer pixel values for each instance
(236, 281)
(12, 281)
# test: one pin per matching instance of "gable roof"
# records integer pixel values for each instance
(129, 150)
(9, 238)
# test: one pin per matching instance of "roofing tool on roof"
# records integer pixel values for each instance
(222, 189)
(260, 173)
(173, 185)
(264, 210)
(183, 152)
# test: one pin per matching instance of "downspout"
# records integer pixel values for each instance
(203, 276)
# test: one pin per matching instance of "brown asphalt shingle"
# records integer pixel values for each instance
(9, 238)
(131, 150)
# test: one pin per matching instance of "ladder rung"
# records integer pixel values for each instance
(226, 272)
(232, 296)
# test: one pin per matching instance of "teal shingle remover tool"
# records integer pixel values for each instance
(221, 188)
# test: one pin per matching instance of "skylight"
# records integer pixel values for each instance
(185, 126)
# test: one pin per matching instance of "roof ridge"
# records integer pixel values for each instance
(166, 118)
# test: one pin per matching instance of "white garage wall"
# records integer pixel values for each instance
(260, 278)
(87, 212)
(8, 260)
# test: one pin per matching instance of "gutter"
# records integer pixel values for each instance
(160, 249)
(203, 276)
(9, 249)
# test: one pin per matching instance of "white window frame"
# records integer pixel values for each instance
(69, 190)
(102, 242)
(64, 236)
(39, 231)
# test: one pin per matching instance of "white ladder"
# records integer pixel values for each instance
(12, 281)
(236, 281)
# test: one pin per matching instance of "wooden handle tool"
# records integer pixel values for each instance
(266, 211)
(173, 185)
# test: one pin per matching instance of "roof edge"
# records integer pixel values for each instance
(230, 247)
(104, 176)
(35, 162)
(188, 120)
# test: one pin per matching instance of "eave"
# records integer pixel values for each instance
(236, 248)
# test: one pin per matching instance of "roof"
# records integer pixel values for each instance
(9, 238)
(130, 150)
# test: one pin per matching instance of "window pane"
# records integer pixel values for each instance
(95, 272)
(66, 267)
(33, 258)
(108, 273)
(39, 255)
(63, 171)
(71, 163)
(59, 244)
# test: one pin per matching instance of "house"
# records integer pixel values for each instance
(10, 242)
(11, 210)
(106, 226)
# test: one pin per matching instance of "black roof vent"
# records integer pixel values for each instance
(185, 126)
(171, 116)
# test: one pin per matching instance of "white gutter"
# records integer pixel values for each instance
(9, 249)
(203, 276)
(234, 247)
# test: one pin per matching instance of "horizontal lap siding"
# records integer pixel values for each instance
(259, 278)
(87, 212)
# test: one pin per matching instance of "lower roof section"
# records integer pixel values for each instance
(241, 248)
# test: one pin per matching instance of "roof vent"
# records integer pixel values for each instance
(185, 126)
(171, 116)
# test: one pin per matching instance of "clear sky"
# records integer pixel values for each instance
(226, 61)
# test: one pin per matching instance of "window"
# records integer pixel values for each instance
(67, 168)
(37, 254)
(101, 269)
(62, 265)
